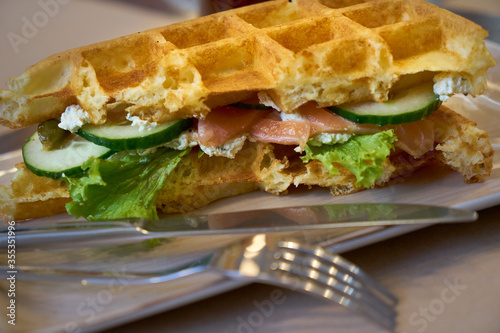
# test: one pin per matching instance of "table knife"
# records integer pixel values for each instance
(251, 221)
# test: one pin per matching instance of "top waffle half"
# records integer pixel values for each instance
(331, 52)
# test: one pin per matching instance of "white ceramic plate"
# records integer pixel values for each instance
(65, 306)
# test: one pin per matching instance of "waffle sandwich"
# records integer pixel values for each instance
(262, 97)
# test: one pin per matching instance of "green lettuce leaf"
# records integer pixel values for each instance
(363, 155)
(123, 186)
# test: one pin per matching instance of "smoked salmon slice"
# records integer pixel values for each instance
(225, 123)
(415, 138)
(323, 121)
(288, 132)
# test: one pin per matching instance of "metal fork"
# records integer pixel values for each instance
(260, 258)
(312, 270)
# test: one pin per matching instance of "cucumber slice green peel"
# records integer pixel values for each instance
(407, 106)
(127, 137)
(65, 161)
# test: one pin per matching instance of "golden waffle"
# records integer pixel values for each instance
(330, 52)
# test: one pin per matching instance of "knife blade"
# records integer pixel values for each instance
(252, 221)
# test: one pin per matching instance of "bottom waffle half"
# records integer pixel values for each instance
(198, 181)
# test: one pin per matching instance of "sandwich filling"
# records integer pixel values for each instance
(125, 163)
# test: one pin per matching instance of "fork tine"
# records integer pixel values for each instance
(321, 266)
(342, 265)
(286, 277)
(333, 278)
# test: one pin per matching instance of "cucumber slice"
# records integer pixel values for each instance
(127, 137)
(251, 106)
(64, 161)
(407, 106)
